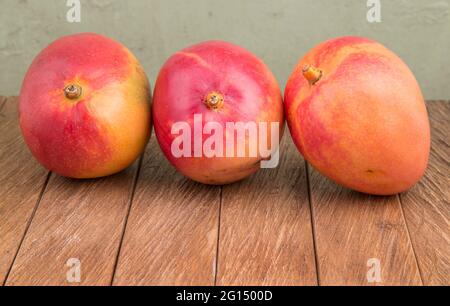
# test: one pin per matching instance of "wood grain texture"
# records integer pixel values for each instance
(22, 180)
(265, 232)
(427, 206)
(167, 232)
(171, 236)
(352, 228)
(2, 102)
(76, 219)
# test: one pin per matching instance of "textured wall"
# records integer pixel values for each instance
(278, 31)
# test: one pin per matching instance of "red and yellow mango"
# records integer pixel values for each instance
(357, 114)
(223, 83)
(85, 107)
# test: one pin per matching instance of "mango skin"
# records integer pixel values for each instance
(251, 94)
(102, 132)
(364, 124)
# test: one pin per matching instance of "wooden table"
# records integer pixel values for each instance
(150, 226)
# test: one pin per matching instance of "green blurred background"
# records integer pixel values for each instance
(278, 31)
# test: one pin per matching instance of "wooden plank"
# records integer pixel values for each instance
(2, 102)
(427, 206)
(171, 236)
(79, 220)
(22, 181)
(265, 231)
(352, 230)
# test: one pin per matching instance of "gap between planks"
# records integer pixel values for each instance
(313, 226)
(30, 220)
(29, 224)
(136, 179)
(28, 205)
(265, 235)
(216, 272)
(408, 232)
(427, 206)
(2, 103)
(163, 241)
